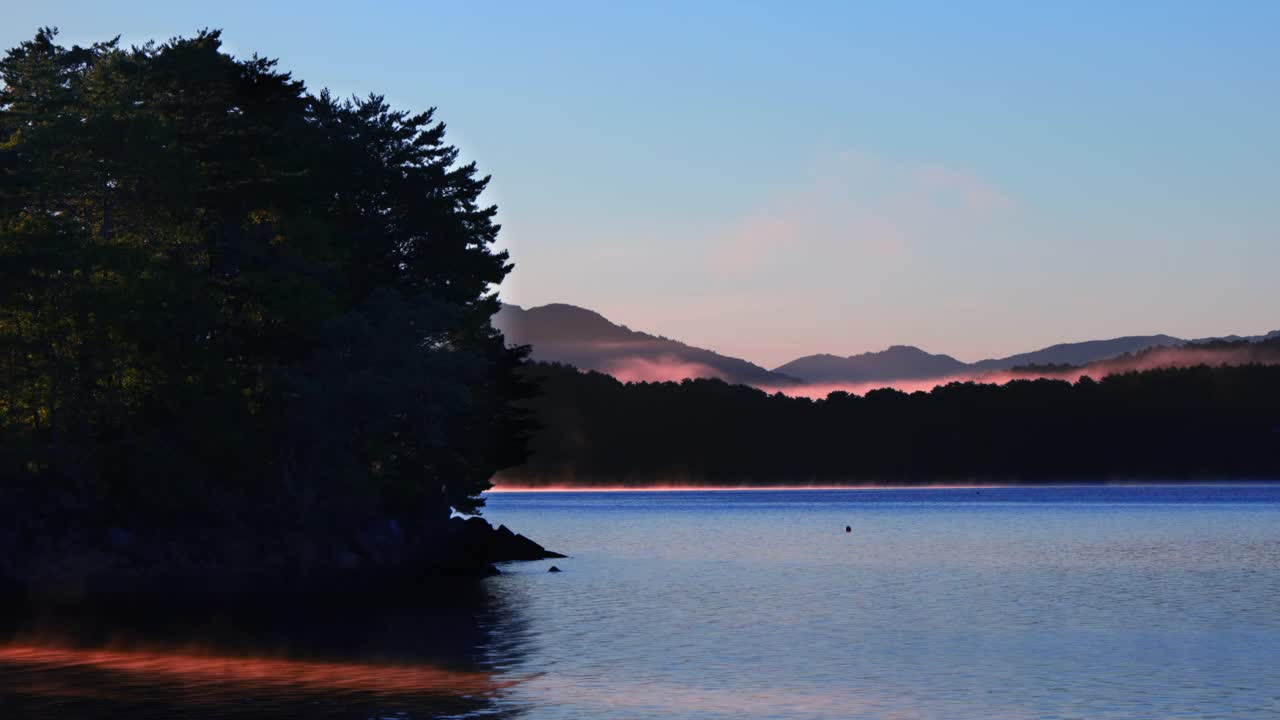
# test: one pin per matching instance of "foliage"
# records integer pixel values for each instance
(1193, 422)
(219, 291)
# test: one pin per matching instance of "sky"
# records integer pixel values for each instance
(773, 179)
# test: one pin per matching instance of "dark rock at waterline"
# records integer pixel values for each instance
(242, 566)
(476, 538)
(553, 568)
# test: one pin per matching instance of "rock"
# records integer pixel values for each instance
(244, 563)
(553, 568)
(475, 538)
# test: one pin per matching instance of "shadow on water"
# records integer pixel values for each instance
(413, 656)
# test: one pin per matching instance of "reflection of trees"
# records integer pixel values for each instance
(386, 656)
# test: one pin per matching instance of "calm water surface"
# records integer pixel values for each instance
(1104, 602)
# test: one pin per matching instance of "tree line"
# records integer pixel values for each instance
(1202, 422)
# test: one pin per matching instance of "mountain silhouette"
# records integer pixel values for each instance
(905, 362)
(899, 362)
(1079, 353)
(587, 340)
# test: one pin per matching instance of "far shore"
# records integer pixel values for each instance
(508, 489)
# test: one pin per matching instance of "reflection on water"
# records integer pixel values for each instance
(416, 658)
(1098, 603)
(957, 604)
(225, 677)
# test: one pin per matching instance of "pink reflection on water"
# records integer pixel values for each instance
(211, 670)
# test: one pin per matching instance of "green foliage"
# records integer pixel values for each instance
(220, 291)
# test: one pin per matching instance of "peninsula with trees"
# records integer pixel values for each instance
(245, 335)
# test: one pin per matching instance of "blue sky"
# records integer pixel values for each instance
(777, 179)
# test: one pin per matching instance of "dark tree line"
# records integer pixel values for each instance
(225, 297)
(1188, 423)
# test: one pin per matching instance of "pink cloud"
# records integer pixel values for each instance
(975, 193)
(854, 208)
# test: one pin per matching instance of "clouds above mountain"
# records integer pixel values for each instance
(885, 248)
(856, 208)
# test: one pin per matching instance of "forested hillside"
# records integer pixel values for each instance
(1201, 422)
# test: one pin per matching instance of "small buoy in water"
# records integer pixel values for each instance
(553, 568)
(848, 529)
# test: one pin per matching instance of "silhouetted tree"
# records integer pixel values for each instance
(219, 292)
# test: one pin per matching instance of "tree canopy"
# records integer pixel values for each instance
(1202, 422)
(219, 290)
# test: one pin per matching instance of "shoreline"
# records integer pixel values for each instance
(230, 567)
(517, 489)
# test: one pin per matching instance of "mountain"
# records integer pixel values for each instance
(1231, 350)
(899, 362)
(905, 362)
(589, 341)
(1237, 338)
(1080, 353)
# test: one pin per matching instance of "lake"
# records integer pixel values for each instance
(1068, 602)
(1098, 602)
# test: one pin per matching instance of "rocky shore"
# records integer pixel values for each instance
(223, 567)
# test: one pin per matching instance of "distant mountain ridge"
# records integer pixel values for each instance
(898, 362)
(1079, 353)
(905, 362)
(587, 340)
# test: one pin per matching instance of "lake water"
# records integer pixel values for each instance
(1100, 602)
(1103, 602)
